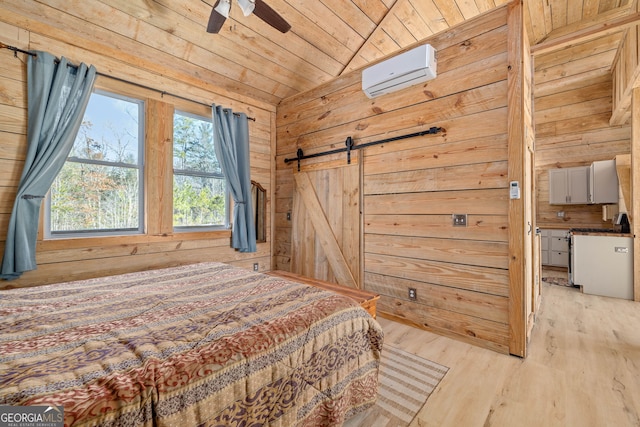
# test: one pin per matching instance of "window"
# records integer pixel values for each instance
(99, 189)
(200, 197)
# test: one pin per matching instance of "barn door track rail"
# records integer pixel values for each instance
(349, 146)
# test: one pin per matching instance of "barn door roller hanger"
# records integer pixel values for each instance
(349, 146)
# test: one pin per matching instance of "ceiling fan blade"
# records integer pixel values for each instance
(271, 17)
(216, 20)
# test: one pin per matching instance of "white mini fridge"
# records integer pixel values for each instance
(603, 265)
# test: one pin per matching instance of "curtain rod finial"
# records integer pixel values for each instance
(15, 50)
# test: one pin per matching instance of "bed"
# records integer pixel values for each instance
(198, 345)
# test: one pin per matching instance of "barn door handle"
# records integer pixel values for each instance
(530, 228)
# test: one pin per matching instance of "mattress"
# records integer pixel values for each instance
(198, 345)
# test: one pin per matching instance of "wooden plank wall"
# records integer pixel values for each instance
(626, 72)
(69, 259)
(573, 108)
(412, 187)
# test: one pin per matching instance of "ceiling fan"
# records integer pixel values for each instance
(220, 13)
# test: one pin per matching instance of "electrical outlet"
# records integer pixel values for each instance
(413, 294)
(256, 266)
(459, 220)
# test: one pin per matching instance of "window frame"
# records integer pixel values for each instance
(183, 172)
(68, 234)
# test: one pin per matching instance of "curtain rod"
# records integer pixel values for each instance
(15, 50)
(162, 92)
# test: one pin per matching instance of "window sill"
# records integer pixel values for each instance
(91, 241)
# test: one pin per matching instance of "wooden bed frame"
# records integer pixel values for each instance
(366, 299)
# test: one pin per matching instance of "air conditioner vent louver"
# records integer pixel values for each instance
(407, 69)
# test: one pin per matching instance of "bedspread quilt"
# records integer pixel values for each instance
(197, 345)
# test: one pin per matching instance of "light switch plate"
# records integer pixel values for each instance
(459, 220)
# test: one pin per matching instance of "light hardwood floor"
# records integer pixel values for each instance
(583, 369)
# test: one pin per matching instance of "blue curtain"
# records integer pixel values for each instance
(231, 142)
(57, 96)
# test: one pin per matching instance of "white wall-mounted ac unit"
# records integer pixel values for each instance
(407, 69)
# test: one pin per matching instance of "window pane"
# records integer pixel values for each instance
(100, 186)
(193, 145)
(199, 189)
(109, 131)
(198, 201)
(86, 197)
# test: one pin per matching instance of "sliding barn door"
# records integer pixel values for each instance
(326, 223)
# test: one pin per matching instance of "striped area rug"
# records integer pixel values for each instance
(406, 382)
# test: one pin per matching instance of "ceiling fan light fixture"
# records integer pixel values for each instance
(223, 8)
(247, 6)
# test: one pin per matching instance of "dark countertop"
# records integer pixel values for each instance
(600, 233)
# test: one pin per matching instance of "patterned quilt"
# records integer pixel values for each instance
(198, 345)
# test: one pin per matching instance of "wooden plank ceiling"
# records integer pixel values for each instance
(328, 37)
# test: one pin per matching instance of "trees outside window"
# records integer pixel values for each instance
(200, 197)
(99, 189)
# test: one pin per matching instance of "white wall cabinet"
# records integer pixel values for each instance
(569, 186)
(555, 248)
(603, 182)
